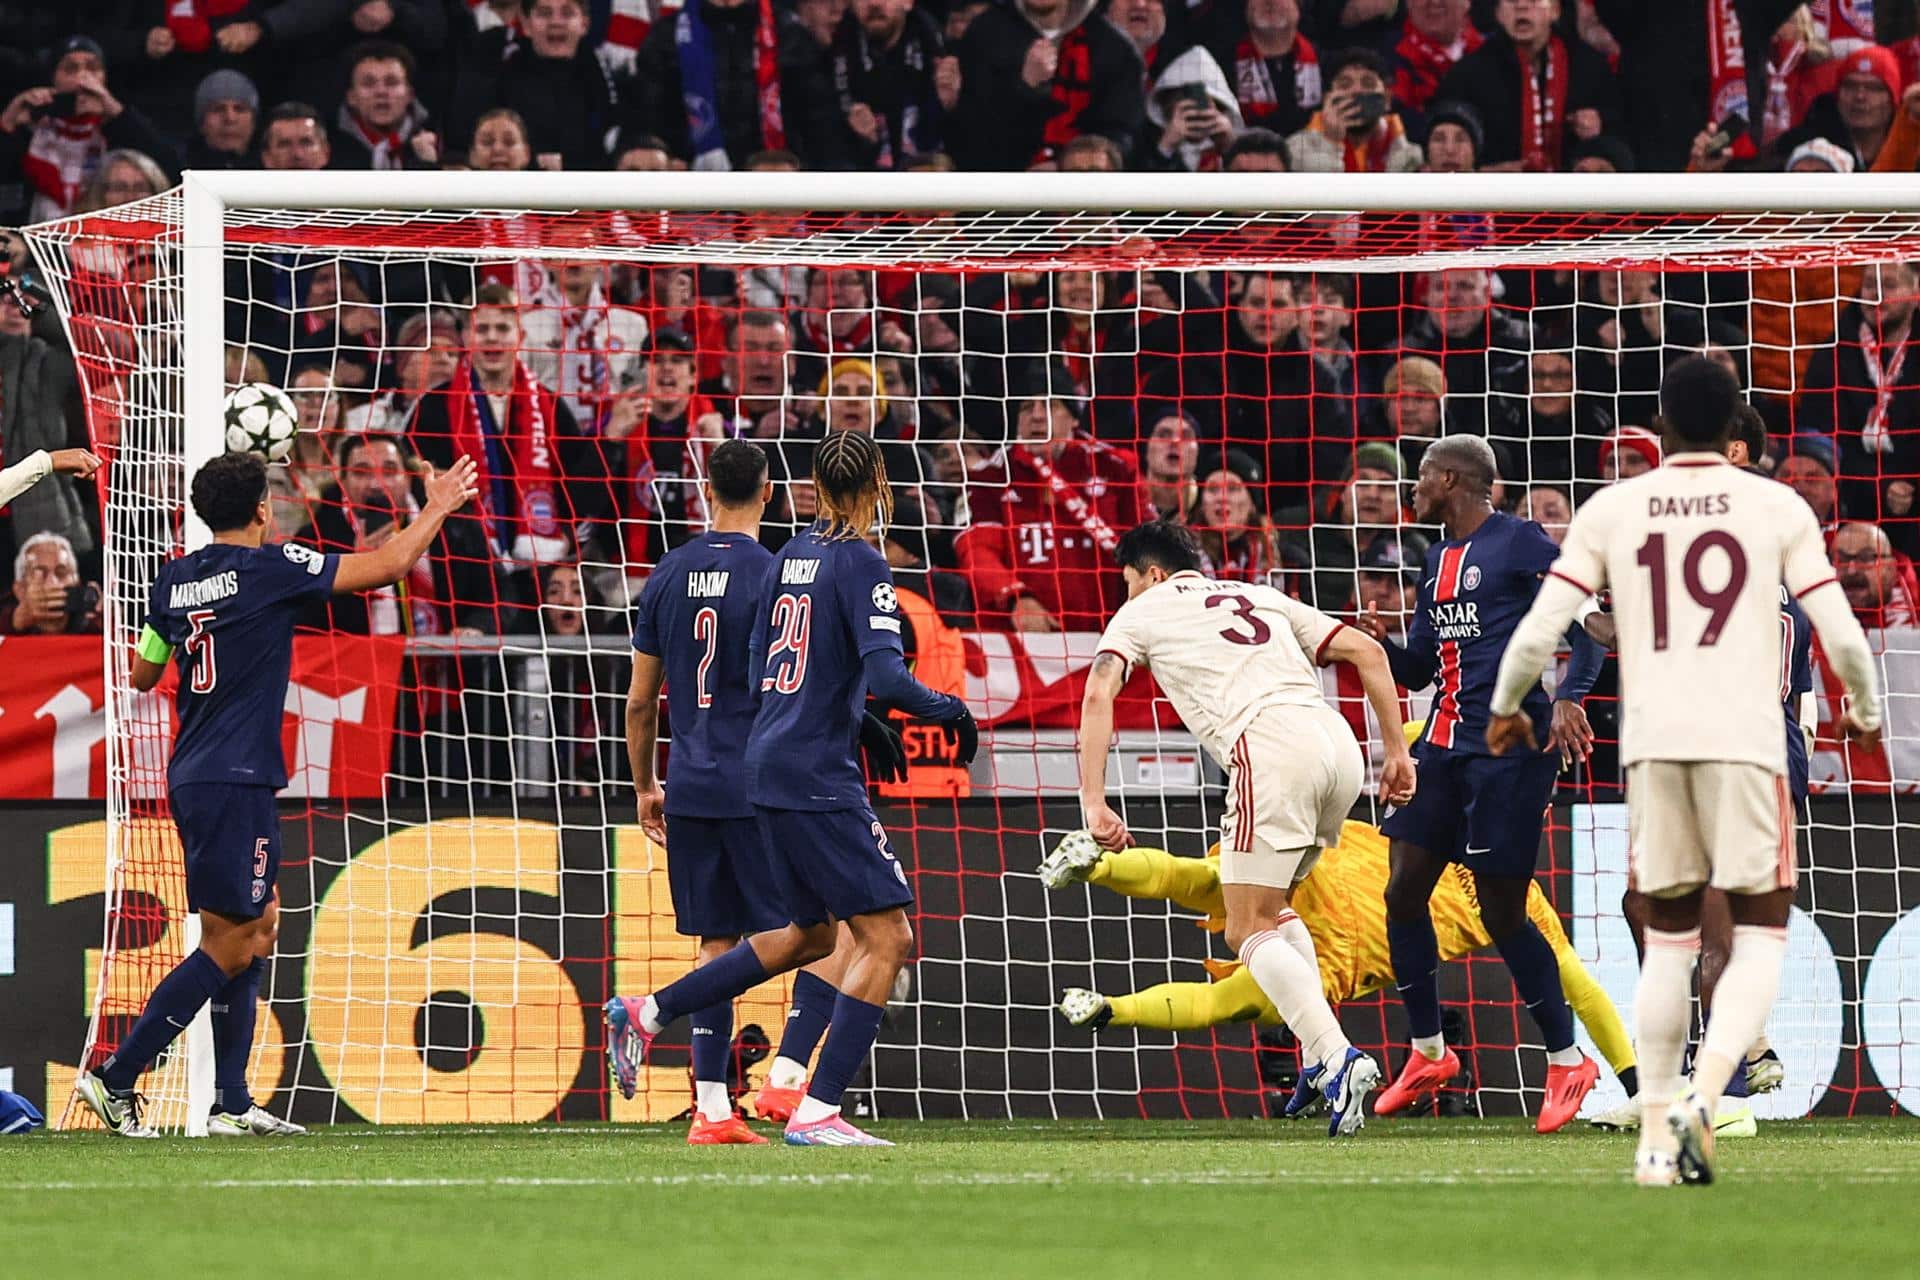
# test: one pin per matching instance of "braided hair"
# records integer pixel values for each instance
(850, 478)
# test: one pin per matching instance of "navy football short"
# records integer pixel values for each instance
(230, 833)
(832, 864)
(722, 885)
(1483, 812)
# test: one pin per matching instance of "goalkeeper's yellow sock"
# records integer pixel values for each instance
(1595, 1010)
(1194, 1006)
(1193, 883)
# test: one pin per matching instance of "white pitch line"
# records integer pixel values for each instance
(1200, 1178)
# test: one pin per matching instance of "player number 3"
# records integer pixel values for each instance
(1718, 602)
(1258, 632)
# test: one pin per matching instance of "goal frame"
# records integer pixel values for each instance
(209, 196)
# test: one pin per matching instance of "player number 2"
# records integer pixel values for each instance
(1718, 603)
(706, 630)
(792, 624)
(1258, 632)
(200, 645)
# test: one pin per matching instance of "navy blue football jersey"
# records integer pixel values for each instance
(228, 613)
(828, 604)
(1796, 648)
(1473, 594)
(697, 614)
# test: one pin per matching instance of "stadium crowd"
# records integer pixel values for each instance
(1026, 417)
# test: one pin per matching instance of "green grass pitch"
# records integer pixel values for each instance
(983, 1200)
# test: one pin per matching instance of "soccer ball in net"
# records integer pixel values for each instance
(261, 420)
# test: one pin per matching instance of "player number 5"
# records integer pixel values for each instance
(200, 645)
(1718, 603)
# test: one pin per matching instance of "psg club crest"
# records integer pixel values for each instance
(884, 598)
(1471, 578)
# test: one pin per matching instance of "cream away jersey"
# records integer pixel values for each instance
(1695, 553)
(1223, 651)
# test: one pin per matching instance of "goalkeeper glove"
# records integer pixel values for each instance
(964, 736)
(886, 754)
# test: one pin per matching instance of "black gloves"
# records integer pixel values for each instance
(886, 754)
(964, 735)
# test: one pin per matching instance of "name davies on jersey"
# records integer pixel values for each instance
(707, 584)
(798, 573)
(1457, 619)
(1705, 504)
(186, 595)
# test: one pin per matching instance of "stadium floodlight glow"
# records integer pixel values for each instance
(438, 958)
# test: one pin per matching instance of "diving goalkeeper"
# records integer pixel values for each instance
(1343, 906)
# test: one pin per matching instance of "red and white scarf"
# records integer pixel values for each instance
(1369, 156)
(191, 21)
(1076, 506)
(1727, 72)
(639, 523)
(1543, 106)
(1849, 23)
(414, 594)
(1424, 62)
(1875, 435)
(1253, 78)
(1071, 90)
(386, 147)
(60, 160)
(526, 438)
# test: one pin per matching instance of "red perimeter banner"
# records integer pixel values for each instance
(335, 728)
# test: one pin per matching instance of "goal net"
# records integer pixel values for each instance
(1047, 361)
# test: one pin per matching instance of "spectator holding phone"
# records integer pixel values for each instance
(1356, 130)
(49, 597)
(1197, 116)
(55, 134)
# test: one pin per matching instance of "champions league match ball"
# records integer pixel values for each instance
(261, 420)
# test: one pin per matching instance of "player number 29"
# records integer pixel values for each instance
(1718, 603)
(793, 625)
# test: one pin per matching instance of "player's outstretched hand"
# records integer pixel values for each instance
(1106, 827)
(886, 754)
(1372, 624)
(1859, 735)
(1504, 733)
(1398, 778)
(964, 734)
(653, 813)
(453, 488)
(74, 462)
(1571, 736)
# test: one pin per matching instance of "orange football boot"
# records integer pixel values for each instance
(1567, 1088)
(1420, 1077)
(731, 1132)
(777, 1104)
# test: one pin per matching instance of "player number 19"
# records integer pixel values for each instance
(1718, 603)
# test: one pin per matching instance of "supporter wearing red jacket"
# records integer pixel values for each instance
(1047, 511)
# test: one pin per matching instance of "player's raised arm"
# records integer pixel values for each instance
(40, 464)
(1811, 579)
(1369, 661)
(1104, 679)
(447, 492)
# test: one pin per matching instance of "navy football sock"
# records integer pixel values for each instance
(169, 1009)
(1536, 975)
(713, 983)
(1416, 971)
(235, 1009)
(850, 1038)
(712, 1042)
(807, 1020)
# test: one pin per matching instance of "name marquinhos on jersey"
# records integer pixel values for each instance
(707, 584)
(221, 586)
(1703, 504)
(798, 573)
(1456, 619)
